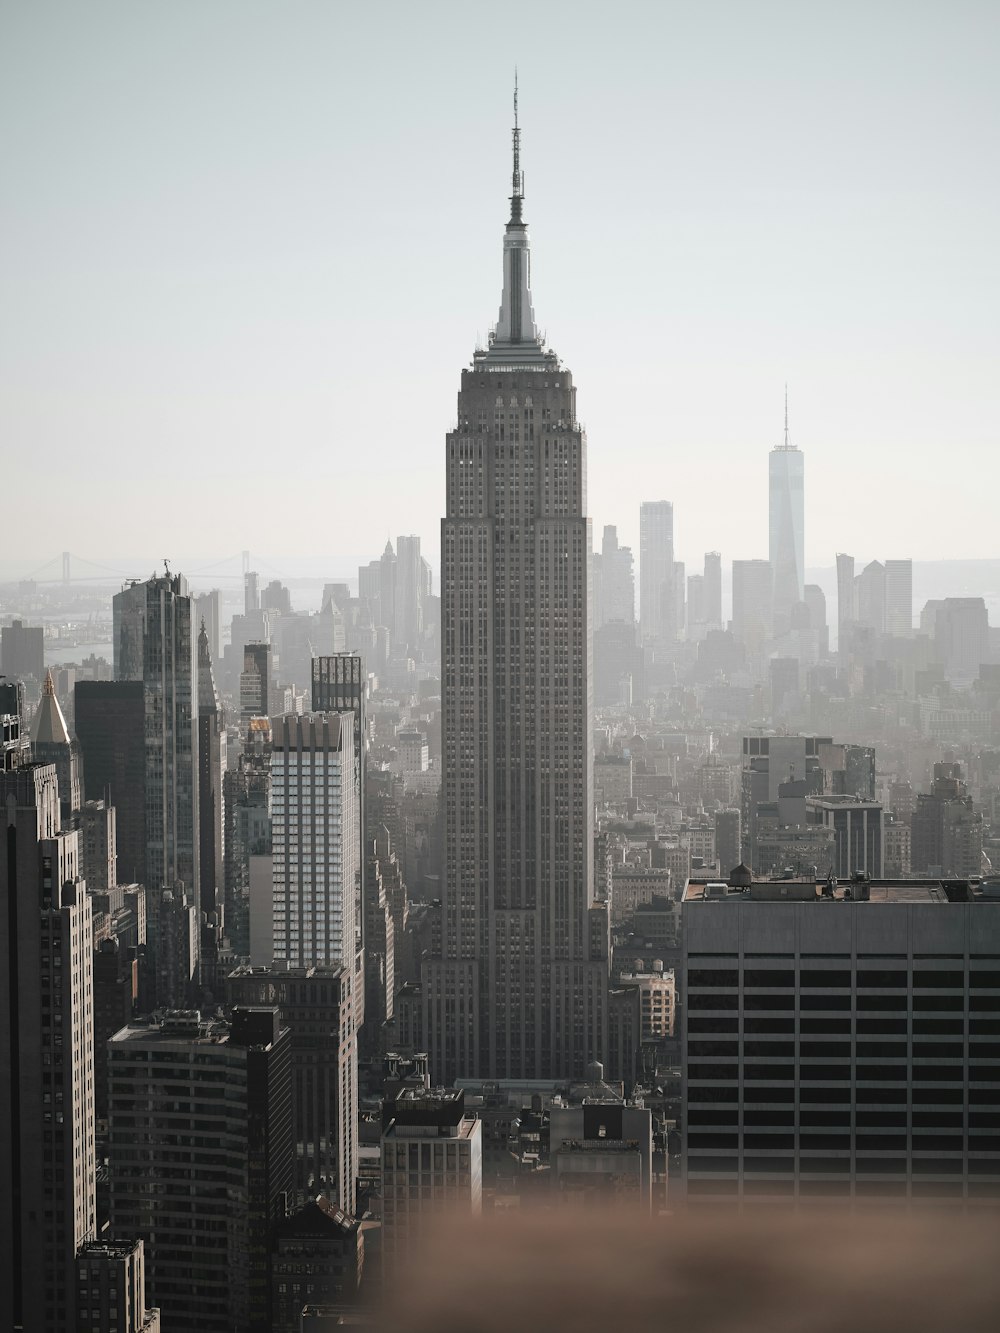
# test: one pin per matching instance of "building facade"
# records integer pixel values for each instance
(518, 989)
(786, 525)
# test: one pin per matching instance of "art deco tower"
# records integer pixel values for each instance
(787, 526)
(519, 988)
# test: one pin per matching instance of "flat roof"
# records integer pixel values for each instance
(808, 890)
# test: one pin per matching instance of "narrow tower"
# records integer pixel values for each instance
(787, 526)
(519, 988)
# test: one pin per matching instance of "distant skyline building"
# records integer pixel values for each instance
(519, 987)
(614, 582)
(211, 768)
(752, 601)
(847, 605)
(22, 650)
(110, 726)
(786, 526)
(656, 571)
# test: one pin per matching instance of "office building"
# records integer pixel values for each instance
(614, 582)
(211, 768)
(51, 744)
(22, 651)
(786, 525)
(656, 571)
(432, 1161)
(318, 1007)
(870, 585)
(847, 604)
(255, 681)
(776, 768)
(960, 629)
(221, 1160)
(899, 596)
(97, 823)
(519, 988)
(47, 1156)
(601, 1150)
(317, 1259)
(247, 843)
(410, 589)
(111, 1284)
(946, 830)
(727, 839)
(713, 589)
(840, 1043)
(314, 839)
(110, 726)
(752, 602)
(859, 840)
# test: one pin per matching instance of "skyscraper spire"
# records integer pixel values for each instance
(516, 336)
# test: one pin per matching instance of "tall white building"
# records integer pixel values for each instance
(315, 841)
(519, 987)
(786, 528)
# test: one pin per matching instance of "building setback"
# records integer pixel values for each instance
(519, 986)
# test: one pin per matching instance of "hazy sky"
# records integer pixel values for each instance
(247, 249)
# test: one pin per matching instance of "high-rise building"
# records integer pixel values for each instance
(207, 613)
(727, 839)
(111, 1279)
(840, 1043)
(22, 650)
(870, 585)
(159, 611)
(859, 842)
(432, 1157)
(255, 681)
(201, 1110)
(47, 1155)
(247, 842)
(408, 613)
(51, 743)
(520, 986)
(786, 526)
(98, 825)
(713, 589)
(752, 601)
(110, 726)
(899, 596)
(847, 605)
(614, 582)
(946, 831)
(211, 767)
(340, 685)
(316, 1260)
(656, 571)
(129, 630)
(318, 1007)
(315, 842)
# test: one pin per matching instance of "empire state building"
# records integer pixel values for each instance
(518, 988)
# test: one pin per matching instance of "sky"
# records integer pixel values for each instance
(247, 249)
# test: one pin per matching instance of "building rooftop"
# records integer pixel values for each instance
(853, 890)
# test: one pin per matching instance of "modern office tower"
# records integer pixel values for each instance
(656, 571)
(110, 726)
(847, 601)
(247, 841)
(129, 630)
(387, 585)
(614, 582)
(840, 1043)
(946, 831)
(316, 1260)
(51, 744)
(858, 828)
(432, 1158)
(211, 767)
(317, 1006)
(22, 650)
(695, 603)
(784, 675)
(775, 768)
(47, 1158)
(899, 596)
(727, 839)
(98, 827)
(713, 589)
(340, 685)
(618, 674)
(870, 586)
(220, 1160)
(752, 601)
(255, 681)
(315, 843)
(680, 599)
(370, 589)
(408, 615)
(111, 1282)
(815, 600)
(517, 990)
(251, 592)
(786, 525)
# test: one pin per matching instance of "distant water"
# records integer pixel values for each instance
(75, 654)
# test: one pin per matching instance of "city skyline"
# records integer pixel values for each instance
(206, 305)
